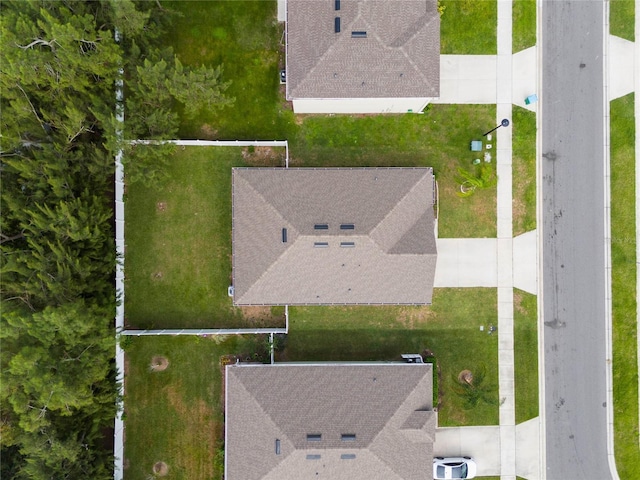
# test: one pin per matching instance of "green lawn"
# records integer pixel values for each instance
(210, 32)
(623, 256)
(524, 24)
(622, 18)
(525, 338)
(524, 170)
(440, 139)
(176, 415)
(178, 253)
(245, 37)
(450, 328)
(468, 27)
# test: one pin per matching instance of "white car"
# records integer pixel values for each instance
(445, 468)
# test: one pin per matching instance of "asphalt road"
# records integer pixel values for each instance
(573, 240)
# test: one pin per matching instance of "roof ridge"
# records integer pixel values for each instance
(255, 401)
(327, 52)
(391, 212)
(387, 464)
(392, 418)
(267, 270)
(279, 214)
(300, 238)
(409, 58)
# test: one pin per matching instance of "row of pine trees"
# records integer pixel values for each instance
(59, 65)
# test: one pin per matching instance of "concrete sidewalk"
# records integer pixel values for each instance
(503, 262)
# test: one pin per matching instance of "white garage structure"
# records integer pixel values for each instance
(362, 56)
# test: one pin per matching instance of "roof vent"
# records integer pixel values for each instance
(321, 244)
(313, 456)
(347, 226)
(358, 34)
(337, 5)
(348, 456)
(347, 244)
(336, 26)
(314, 437)
(284, 235)
(348, 437)
(321, 226)
(277, 446)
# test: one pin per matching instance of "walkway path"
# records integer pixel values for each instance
(503, 262)
(505, 246)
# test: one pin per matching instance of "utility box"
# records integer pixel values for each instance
(412, 358)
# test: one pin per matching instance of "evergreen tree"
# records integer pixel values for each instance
(57, 389)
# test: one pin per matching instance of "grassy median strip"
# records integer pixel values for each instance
(450, 329)
(524, 24)
(178, 254)
(469, 27)
(174, 404)
(525, 338)
(524, 170)
(622, 18)
(623, 257)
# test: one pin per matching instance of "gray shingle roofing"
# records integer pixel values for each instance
(387, 406)
(393, 257)
(400, 56)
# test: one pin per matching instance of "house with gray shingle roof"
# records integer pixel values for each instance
(323, 236)
(329, 421)
(362, 56)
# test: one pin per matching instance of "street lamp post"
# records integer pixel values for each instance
(503, 123)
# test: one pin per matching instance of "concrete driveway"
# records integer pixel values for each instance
(473, 78)
(483, 444)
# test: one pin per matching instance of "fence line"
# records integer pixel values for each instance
(118, 436)
(215, 143)
(202, 331)
(221, 143)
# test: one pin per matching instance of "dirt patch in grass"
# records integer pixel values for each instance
(519, 205)
(517, 302)
(413, 317)
(481, 210)
(263, 156)
(259, 313)
(160, 469)
(208, 132)
(161, 206)
(260, 316)
(465, 376)
(199, 432)
(519, 208)
(159, 363)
